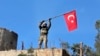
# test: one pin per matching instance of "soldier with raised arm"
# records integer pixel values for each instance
(44, 28)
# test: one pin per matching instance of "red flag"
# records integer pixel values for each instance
(71, 20)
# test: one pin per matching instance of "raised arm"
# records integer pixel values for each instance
(41, 24)
(49, 24)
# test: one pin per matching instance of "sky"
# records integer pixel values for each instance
(23, 17)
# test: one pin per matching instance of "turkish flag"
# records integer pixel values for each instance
(71, 20)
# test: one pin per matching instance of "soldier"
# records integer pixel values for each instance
(44, 28)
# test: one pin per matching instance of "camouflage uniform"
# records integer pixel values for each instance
(44, 28)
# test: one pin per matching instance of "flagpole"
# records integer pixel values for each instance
(22, 45)
(55, 17)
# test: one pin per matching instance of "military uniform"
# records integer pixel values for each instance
(44, 28)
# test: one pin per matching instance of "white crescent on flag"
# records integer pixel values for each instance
(71, 20)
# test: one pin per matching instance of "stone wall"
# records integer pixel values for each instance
(36, 52)
(48, 52)
(8, 39)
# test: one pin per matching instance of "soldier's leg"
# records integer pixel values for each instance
(45, 41)
(40, 42)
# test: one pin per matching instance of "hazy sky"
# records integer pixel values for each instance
(23, 17)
